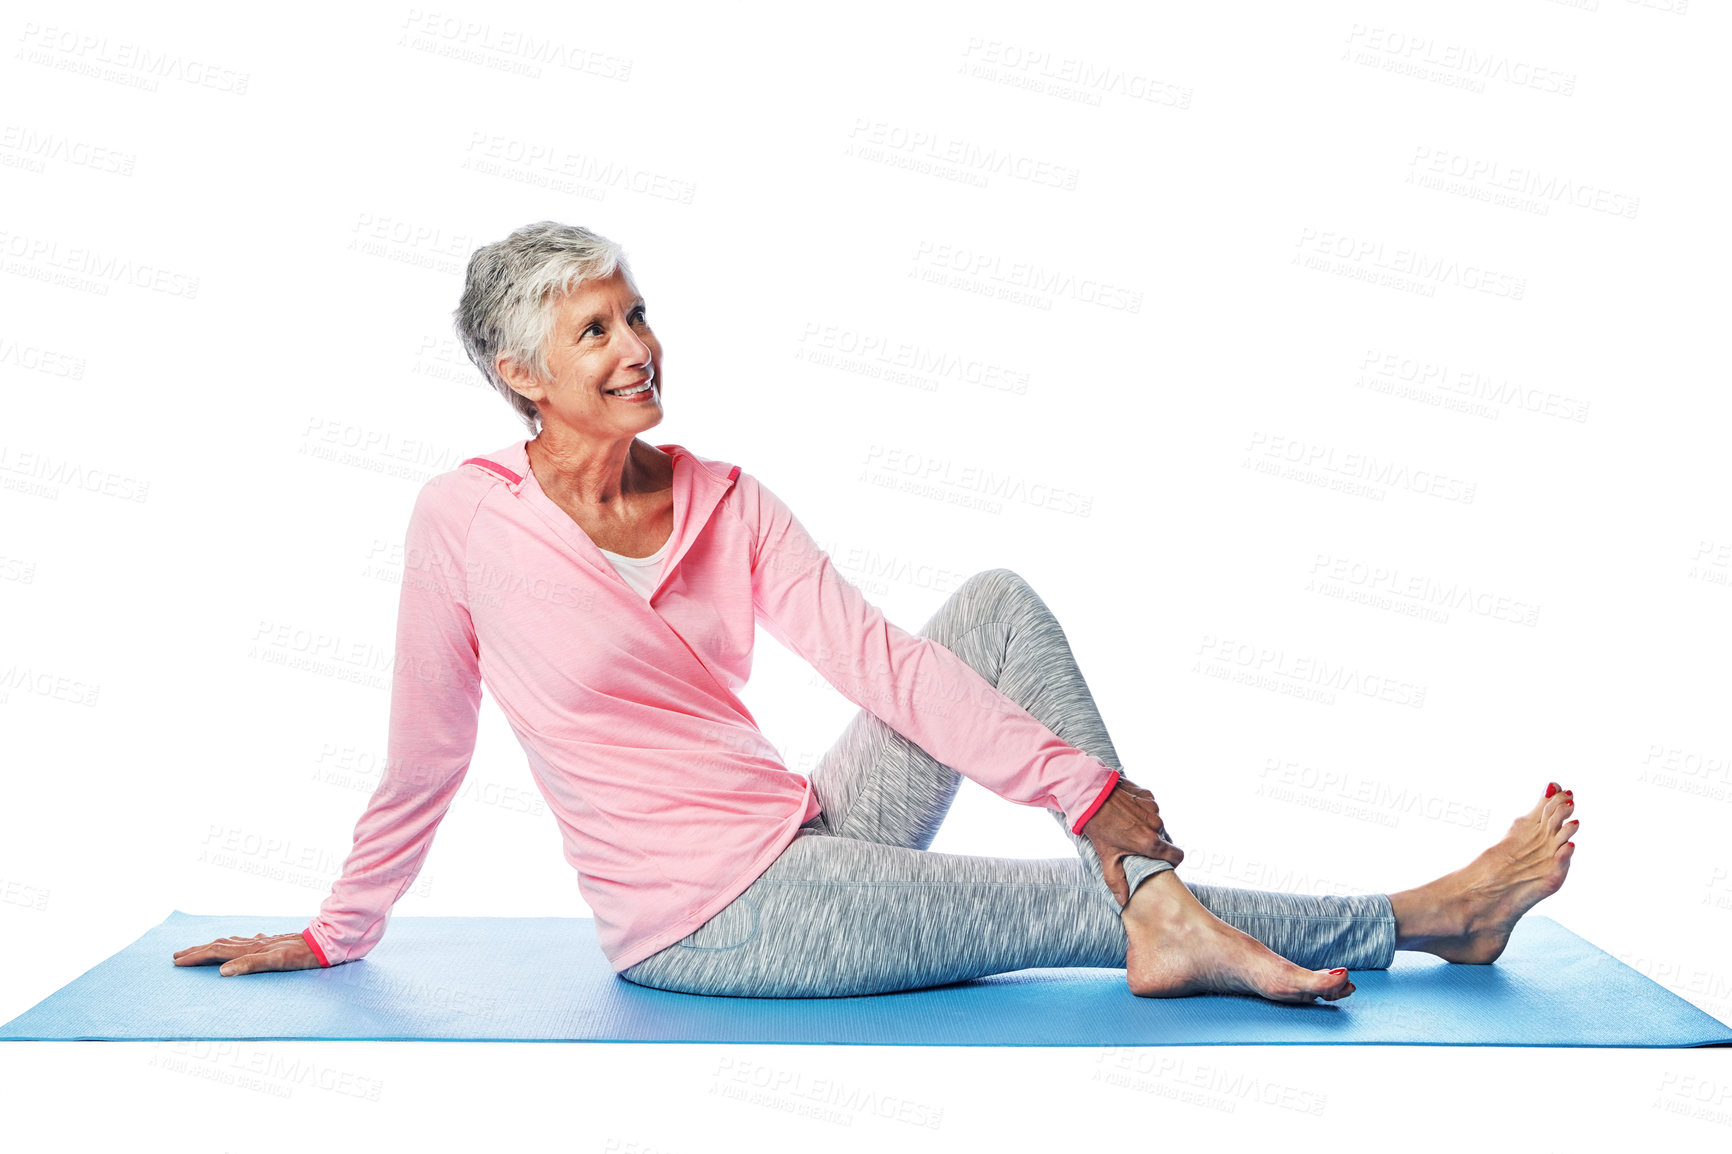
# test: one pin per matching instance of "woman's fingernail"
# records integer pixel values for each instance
(1571, 844)
(1338, 971)
(1551, 789)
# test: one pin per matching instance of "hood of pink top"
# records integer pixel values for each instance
(699, 484)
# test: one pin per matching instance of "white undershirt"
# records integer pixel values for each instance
(639, 572)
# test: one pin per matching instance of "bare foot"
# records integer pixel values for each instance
(1177, 947)
(1467, 916)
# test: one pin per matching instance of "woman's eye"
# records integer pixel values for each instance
(636, 315)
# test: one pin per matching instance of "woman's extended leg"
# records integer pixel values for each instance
(837, 916)
(854, 905)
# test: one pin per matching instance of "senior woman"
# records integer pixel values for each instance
(606, 592)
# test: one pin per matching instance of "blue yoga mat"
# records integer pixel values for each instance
(545, 979)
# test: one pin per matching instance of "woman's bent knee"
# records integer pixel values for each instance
(999, 594)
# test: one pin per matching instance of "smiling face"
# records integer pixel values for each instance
(600, 344)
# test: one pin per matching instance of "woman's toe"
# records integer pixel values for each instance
(1557, 809)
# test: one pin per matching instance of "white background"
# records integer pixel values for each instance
(1371, 344)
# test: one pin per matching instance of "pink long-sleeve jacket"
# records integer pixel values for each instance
(669, 799)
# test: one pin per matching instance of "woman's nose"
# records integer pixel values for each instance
(636, 349)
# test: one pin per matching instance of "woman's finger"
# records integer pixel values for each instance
(223, 949)
(287, 955)
(258, 963)
(208, 950)
(218, 951)
(1114, 872)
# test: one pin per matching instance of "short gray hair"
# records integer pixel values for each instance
(509, 294)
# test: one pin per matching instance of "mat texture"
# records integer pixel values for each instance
(545, 979)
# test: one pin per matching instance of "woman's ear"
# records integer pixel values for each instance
(519, 377)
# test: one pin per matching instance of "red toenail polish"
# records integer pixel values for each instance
(1571, 844)
(1551, 789)
(1338, 971)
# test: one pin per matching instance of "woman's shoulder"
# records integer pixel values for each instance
(717, 468)
(458, 491)
(508, 464)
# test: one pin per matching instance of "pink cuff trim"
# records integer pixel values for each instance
(317, 952)
(1099, 800)
(495, 467)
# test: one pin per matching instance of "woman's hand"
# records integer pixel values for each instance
(1128, 822)
(261, 954)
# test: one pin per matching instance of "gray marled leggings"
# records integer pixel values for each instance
(857, 905)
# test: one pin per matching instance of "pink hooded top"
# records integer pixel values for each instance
(669, 799)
